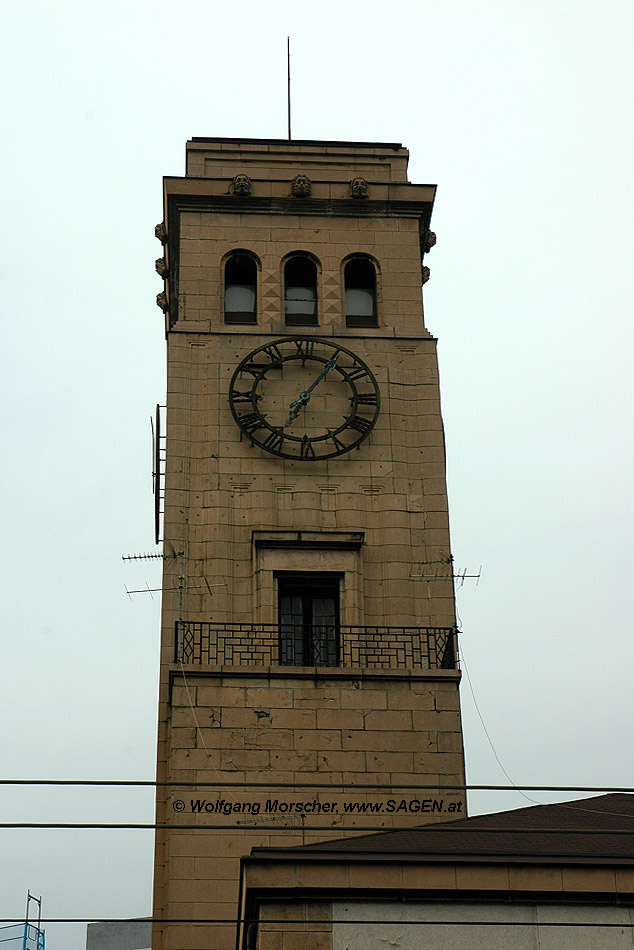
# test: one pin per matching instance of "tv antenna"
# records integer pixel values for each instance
(182, 587)
(462, 576)
(445, 570)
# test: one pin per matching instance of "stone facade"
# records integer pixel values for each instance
(240, 521)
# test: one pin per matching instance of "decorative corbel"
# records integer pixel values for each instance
(358, 188)
(301, 186)
(241, 185)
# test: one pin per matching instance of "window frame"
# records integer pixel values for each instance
(361, 320)
(301, 320)
(241, 317)
(308, 584)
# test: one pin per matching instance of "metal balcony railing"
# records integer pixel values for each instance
(375, 648)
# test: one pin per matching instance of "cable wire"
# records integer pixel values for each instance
(146, 783)
(206, 921)
(450, 827)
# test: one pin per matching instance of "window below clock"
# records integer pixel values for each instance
(309, 619)
(241, 288)
(300, 291)
(360, 292)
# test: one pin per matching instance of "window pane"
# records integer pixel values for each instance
(239, 297)
(300, 292)
(300, 271)
(291, 611)
(324, 632)
(241, 289)
(360, 286)
(309, 629)
(360, 303)
(324, 609)
(301, 300)
(291, 629)
(241, 269)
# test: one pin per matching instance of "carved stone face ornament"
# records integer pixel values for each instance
(301, 186)
(359, 188)
(430, 241)
(241, 185)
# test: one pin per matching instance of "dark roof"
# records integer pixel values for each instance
(601, 827)
(247, 141)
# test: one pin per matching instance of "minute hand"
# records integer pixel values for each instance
(329, 365)
(303, 398)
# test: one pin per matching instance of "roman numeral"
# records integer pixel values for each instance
(254, 368)
(237, 395)
(273, 352)
(357, 372)
(250, 422)
(306, 449)
(273, 442)
(367, 399)
(305, 348)
(339, 445)
(360, 424)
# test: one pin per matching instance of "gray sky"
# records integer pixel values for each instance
(522, 115)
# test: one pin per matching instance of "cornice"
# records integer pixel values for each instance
(330, 207)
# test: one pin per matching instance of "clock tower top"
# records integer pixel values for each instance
(342, 205)
(380, 161)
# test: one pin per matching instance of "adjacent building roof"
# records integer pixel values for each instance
(594, 829)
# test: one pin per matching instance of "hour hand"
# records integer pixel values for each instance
(297, 406)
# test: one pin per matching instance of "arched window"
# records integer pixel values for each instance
(241, 288)
(300, 291)
(360, 287)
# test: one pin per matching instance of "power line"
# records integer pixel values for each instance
(624, 789)
(486, 731)
(445, 829)
(250, 920)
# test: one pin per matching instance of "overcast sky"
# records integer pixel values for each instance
(522, 115)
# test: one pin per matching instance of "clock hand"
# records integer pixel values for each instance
(329, 365)
(295, 407)
(304, 397)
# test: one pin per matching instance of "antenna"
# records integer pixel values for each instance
(462, 576)
(154, 590)
(288, 84)
(443, 572)
(182, 585)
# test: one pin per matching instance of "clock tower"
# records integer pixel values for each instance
(309, 679)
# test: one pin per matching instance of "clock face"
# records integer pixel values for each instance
(304, 398)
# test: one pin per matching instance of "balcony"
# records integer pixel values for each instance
(372, 648)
